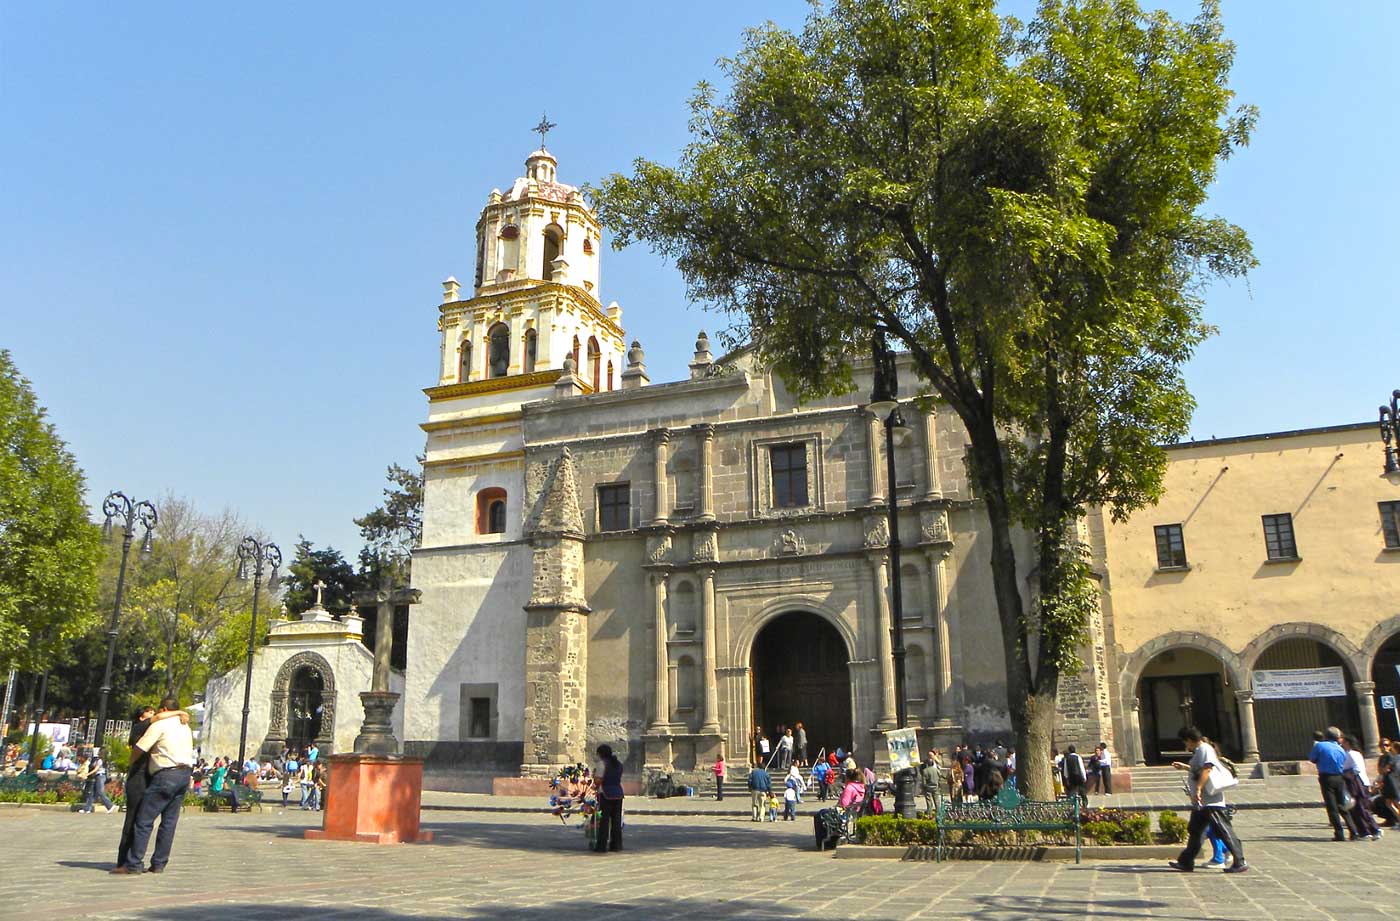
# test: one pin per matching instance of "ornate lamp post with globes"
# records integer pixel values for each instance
(258, 554)
(1390, 434)
(884, 403)
(118, 506)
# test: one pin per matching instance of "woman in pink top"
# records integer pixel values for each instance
(853, 794)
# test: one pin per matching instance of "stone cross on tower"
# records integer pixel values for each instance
(320, 587)
(543, 128)
(377, 733)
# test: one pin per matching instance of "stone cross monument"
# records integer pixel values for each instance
(377, 732)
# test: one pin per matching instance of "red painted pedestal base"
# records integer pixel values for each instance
(372, 798)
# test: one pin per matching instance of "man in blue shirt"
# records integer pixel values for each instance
(1331, 761)
(760, 788)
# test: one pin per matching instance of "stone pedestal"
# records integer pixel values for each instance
(374, 799)
(377, 732)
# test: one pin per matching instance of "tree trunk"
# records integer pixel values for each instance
(1033, 738)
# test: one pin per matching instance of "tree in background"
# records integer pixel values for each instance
(1018, 207)
(49, 549)
(393, 530)
(328, 567)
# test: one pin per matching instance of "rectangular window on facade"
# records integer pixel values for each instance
(1171, 546)
(789, 466)
(614, 507)
(1278, 537)
(1390, 524)
(479, 720)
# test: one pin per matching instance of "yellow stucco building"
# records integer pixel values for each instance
(1267, 554)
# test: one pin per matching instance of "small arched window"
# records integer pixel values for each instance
(610, 375)
(587, 246)
(594, 363)
(553, 244)
(578, 369)
(508, 253)
(464, 361)
(531, 348)
(480, 257)
(498, 360)
(491, 511)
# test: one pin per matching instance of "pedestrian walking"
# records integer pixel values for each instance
(800, 741)
(1359, 787)
(170, 745)
(785, 743)
(719, 778)
(307, 781)
(609, 801)
(1206, 783)
(760, 788)
(1331, 762)
(821, 773)
(95, 788)
(1074, 775)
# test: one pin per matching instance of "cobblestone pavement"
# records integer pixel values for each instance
(531, 868)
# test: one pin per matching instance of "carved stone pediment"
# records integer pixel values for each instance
(789, 543)
(877, 533)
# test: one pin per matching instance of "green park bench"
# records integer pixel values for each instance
(1009, 811)
(20, 783)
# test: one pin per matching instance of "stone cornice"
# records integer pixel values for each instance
(470, 421)
(494, 385)
(493, 458)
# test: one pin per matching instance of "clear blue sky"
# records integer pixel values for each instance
(222, 228)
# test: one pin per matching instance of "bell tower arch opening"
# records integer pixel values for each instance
(801, 673)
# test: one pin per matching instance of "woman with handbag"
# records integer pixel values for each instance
(1206, 784)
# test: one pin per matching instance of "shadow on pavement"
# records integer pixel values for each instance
(102, 865)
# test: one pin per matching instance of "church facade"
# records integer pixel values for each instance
(673, 567)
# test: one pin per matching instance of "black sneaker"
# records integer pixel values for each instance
(1237, 868)
(155, 869)
(1178, 865)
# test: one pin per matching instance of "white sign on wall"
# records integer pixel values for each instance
(1293, 683)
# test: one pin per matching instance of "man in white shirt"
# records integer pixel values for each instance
(1105, 768)
(170, 747)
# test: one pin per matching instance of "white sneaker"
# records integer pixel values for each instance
(111, 809)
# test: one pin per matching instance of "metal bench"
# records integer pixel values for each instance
(248, 797)
(1010, 811)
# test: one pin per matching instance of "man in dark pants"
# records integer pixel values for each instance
(1208, 808)
(609, 802)
(135, 786)
(1105, 768)
(1074, 776)
(170, 747)
(1331, 761)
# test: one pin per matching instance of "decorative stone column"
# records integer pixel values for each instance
(943, 641)
(879, 572)
(1249, 736)
(660, 688)
(1370, 728)
(935, 487)
(661, 447)
(874, 441)
(710, 718)
(705, 441)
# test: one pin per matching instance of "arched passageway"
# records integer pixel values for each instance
(1286, 726)
(801, 674)
(304, 708)
(1185, 687)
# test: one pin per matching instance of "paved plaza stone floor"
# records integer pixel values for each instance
(531, 868)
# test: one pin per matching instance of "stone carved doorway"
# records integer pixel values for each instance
(801, 674)
(302, 706)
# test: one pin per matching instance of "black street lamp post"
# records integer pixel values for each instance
(1390, 433)
(884, 404)
(118, 506)
(250, 550)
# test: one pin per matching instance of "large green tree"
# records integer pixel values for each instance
(394, 529)
(1020, 207)
(310, 566)
(49, 549)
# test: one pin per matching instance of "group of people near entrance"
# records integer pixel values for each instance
(791, 747)
(1352, 799)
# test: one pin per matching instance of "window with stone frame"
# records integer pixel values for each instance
(478, 719)
(1390, 524)
(683, 607)
(614, 507)
(788, 464)
(1279, 542)
(687, 684)
(1171, 546)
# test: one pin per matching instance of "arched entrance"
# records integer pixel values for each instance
(1385, 672)
(1286, 726)
(1184, 687)
(304, 708)
(801, 674)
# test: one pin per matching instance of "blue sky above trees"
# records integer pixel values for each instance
(224, 229)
